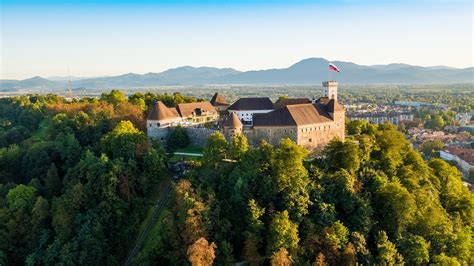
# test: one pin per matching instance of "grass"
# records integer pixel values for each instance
(152, 201)
(154, 235)
(177, 158)
(191, 150)
(154, 239)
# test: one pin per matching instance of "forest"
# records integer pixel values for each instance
(76, 178)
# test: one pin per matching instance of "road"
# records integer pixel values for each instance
(189, 154)
(161, 203)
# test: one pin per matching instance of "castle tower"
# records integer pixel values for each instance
(232, 126)
(330, 89)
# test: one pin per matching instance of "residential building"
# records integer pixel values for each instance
(464, 157)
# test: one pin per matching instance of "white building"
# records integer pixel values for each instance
(245, 108)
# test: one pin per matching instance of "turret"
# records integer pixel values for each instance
(232, 125)
(330, 89)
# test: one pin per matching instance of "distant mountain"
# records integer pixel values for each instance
(310, 71)
(314, 70)
(185, 75)
(65, 78)
(34, 83)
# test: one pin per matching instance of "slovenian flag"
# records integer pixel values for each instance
(333, 67)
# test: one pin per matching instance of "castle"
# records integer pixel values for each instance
(309, 123)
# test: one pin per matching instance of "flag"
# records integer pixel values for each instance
(333, 67)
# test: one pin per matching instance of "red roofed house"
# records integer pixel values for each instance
(464, 157)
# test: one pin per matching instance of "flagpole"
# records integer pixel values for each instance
(329, 69)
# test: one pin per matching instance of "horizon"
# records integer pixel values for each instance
(110, 38)
(75, 77)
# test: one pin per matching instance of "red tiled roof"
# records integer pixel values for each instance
(466, 154)
(290, 101)
(186, 109)
(232, 121)
(292, 115)
(218, 99)
(159, 111)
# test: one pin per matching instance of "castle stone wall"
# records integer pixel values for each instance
(159, 133)
(198, 136)
(273, 135)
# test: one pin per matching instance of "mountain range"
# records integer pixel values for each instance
(311, 71)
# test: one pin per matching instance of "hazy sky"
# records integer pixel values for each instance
(96, 38)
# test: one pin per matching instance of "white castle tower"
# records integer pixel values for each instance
(330, 89)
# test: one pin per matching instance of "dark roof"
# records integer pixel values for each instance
(329, 105)
(292, 115)
(278, 117)
(334, 106)
(290, 101)
(159, 111)
(187, 109)
(218, 99)
(263, 103)
(232, 121)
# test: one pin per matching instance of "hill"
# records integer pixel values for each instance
(309, 71)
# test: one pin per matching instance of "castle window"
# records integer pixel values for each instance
(310, 140)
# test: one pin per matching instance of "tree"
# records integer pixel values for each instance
(115, 97)
(355, 127)
(349, 255)
(396, 207)
(283, 233)
(254, 217)
(21, 197)
(386, 250)
(201, 253)
(250, 252)
(52, 183)
(415, 250)
(215, 149)
(124, 141)
(154, 169)
(291, 177)
(192, 213)
(178, 138)
(281, 258)
(362, 251)
(438, 122)
(453, 195)
(431, 147)
(338, 234)
(320, 260)
(442, 259)
(40, 213)
(391, 148)
(342, 155)
(238, 146)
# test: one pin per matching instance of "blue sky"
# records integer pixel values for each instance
(96, 38)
